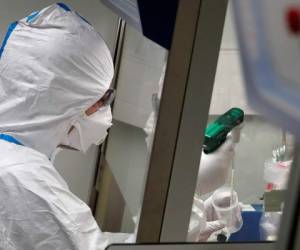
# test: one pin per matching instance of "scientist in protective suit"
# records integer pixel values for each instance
(213, 173)
(55, 72)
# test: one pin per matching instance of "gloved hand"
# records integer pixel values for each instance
(212, 217)
(211, 227)
(214, 168)
(149, 129)
(203, 221)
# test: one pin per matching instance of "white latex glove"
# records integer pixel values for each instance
(203, 221)
(214, 168)
(211, 227)
(209, 209)
(149, 129)
(211, 215)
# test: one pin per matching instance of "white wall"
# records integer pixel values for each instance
(229, 87)
(140, 71)
(77, 169)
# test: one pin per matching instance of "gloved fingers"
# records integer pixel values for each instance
(198, 203)
(211, 214)
(197, 224)
(229, 136)
(241, 206)
(241, 126)
(237, 128)
(213, 226)
(208, 202)
(210, 228)
(223, 200)
(228, 145)
(150, 124)
(210, 210)
(235, 134)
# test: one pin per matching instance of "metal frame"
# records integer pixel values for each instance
(297, 231)
(187, 88)
(192, 246)
(199, 88)
(289, 233)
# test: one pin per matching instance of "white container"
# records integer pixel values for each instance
(227, 209)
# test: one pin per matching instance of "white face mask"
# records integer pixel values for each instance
(89, 130)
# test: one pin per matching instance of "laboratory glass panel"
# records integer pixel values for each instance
(138, 87)
(243, 191)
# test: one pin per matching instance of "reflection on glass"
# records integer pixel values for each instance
(256, 166)
(134, 118)
(276, 174)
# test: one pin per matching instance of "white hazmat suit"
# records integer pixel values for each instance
(53, 66)
(213, 174)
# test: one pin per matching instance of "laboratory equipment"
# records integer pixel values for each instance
(216, 132)
(191, 246)
(269, 225)
(226, 205)
(276, 174)
(279, 153)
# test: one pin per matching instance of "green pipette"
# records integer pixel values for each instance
(216, 132)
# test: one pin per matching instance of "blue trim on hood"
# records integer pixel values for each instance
(64, 6)
(9, 138)
(10, 30)
(83, 18)
(32, 17)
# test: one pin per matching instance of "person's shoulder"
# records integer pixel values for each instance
(29, 169)
(15, 159)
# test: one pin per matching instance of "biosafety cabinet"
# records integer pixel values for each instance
(179, 66)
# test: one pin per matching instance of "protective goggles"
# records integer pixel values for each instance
(108, 97)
